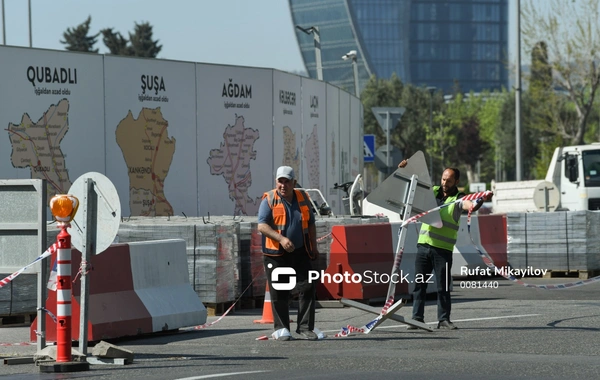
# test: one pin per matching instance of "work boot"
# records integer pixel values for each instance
(446, 325)
(415, 327)
(307, 334)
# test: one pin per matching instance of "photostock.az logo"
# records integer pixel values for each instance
(282, 271)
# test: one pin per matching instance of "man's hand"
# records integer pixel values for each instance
(403, 163)
(488, 196)
(287, 244)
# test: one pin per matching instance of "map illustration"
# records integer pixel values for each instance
(311, 155)
(37, 146)
(148, 152)
(291, 156)
(232, 161)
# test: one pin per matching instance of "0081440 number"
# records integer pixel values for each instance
(479, 284)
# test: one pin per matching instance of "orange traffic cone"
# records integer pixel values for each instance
(267, 316)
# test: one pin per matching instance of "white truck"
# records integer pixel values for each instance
(572, 183)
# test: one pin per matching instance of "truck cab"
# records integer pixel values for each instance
(576, 172)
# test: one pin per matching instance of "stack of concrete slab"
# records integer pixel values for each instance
(592, 239)
(19, 297)
(251, 266)
(217, 262)
(557, 241)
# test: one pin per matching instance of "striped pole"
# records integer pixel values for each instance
(63, 297)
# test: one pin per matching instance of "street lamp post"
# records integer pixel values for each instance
(30, 33)
(431, 91)
(314, 30)
(518, 98)
(3, 25)
(352, 55)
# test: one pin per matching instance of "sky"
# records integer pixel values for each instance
(257, 33)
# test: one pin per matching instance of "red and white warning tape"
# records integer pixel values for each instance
(5, 281)
(200, 327)
(17, 344)
(323, 237)
(490, 263)
(469, 197)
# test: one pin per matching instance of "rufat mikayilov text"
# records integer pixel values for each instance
(502, 271)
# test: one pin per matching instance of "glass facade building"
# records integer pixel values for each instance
(437, 43)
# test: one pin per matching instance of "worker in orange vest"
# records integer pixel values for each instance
(289, 243)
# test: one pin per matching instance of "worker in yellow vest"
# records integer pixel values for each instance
(435, 246)
(287, 223)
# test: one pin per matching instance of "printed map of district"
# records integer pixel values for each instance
(291, 157)
(148, 153)
(311, 154)
(232, 161)
(37, 146)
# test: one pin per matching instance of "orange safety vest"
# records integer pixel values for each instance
(271, 247)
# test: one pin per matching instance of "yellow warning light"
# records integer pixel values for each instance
(64, 207)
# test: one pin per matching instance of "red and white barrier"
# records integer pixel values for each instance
(63, 298)
(135, 288)
(361, 250)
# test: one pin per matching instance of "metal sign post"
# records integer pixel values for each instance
(93, 232)
(388, 117)
(90, 215)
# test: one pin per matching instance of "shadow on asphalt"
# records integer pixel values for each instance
(175, 336)
(177, 357)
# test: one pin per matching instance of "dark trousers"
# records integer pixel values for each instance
(300, 262)
(440, 262)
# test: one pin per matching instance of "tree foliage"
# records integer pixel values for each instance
(410, 134)
(139, 44)
(545, 110)
(115, 42)
(448, 134)
(77, 38)
(141, 41)
(458, 136)
(572, 34)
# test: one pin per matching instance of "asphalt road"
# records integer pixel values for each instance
(508, 332)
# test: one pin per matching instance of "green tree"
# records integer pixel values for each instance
(77, 39)
(573, 35)
(379, 93)
(115, 42)
(456, 132)
(491, 130)
(545, 110)
(410, 134)
(141, 41)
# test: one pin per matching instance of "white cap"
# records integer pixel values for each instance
(285, 172)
